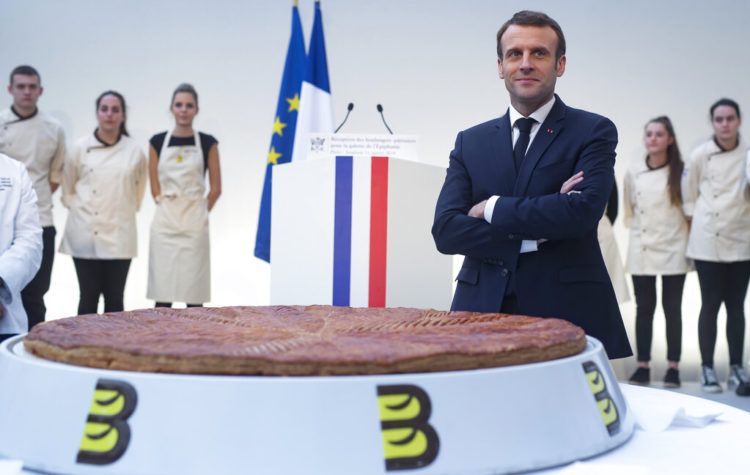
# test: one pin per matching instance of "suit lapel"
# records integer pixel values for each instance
(547, 133)
(502, 165)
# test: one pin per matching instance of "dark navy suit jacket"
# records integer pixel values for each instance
(566, 277)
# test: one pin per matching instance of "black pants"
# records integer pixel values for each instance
(32, 295)
(644, 287)
(722, 282)
(101, 277)
(5, 336)
(169, 304)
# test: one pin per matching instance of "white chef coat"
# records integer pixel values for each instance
(179, 268)
(716, 194)
(39, 143)
(658, 230)
(103, 188)
(612, 260)
(20, 242)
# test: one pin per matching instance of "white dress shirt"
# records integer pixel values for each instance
(539, 116)
(20, 242)
(38, 142)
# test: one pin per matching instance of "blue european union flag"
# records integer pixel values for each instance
(284, 126)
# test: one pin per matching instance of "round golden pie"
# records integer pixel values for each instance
(302, 340)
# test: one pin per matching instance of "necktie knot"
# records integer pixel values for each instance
(524, 125)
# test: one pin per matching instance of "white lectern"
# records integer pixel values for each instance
(355, 231)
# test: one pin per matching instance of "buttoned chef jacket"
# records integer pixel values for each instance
(103, 187)
(20, 242)
(38, 142)
(658, 229)
(715, 193)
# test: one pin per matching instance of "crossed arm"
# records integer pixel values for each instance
(459, 229)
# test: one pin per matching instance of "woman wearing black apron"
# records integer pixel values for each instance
(179, 255)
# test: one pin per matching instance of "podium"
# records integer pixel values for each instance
(354, 230)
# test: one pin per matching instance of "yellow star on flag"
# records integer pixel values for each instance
(273, 156)
(293, 103)
(278, 127)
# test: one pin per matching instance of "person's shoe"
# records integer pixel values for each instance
(738, 380)
(709, 381)
(672, 378)
(641, 376)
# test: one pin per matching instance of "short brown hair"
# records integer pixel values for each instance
(529, 18)
(25, 70)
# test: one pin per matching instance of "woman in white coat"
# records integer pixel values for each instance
(179, 257)
(658, 239)
(717, 197)
(104, 179)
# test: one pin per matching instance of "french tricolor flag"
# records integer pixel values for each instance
(360, 235)
(355, 231)
(315, 108)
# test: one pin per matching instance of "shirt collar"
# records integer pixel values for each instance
(20, 117)
(538, 115)
(722, 149)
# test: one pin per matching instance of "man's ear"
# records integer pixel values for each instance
(561, 65)
(500, 68)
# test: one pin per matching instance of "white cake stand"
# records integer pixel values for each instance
(65, 419)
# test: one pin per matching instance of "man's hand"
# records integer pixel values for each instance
(477, 211)
(571, 183)
(566, 188)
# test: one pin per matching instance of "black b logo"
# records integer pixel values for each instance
(408, 440)
(107, 434)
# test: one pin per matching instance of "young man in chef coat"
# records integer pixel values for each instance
(36, 140)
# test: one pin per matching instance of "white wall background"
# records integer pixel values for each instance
(431, 63)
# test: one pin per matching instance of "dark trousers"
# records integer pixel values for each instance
(101, 277)
(5, 336)
(32, 295)
(169, 304)
(644, 287)
(722, 282)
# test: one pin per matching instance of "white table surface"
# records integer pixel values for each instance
(721, 447)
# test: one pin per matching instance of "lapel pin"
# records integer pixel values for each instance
(550, 131)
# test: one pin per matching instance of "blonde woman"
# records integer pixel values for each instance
(179, 258)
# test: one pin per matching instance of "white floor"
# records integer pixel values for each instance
(693, 388)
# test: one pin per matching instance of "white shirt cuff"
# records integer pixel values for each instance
(489, 207)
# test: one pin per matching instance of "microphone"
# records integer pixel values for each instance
(348, 111)
(380, 109)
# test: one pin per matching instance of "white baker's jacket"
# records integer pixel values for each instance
(20, 242)
(658, 229)
(103, 188)
(39, 143)
(716, 194)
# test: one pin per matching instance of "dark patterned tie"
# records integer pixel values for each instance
(522, 143)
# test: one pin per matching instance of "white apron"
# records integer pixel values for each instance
(179, 267)
(612, 259)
